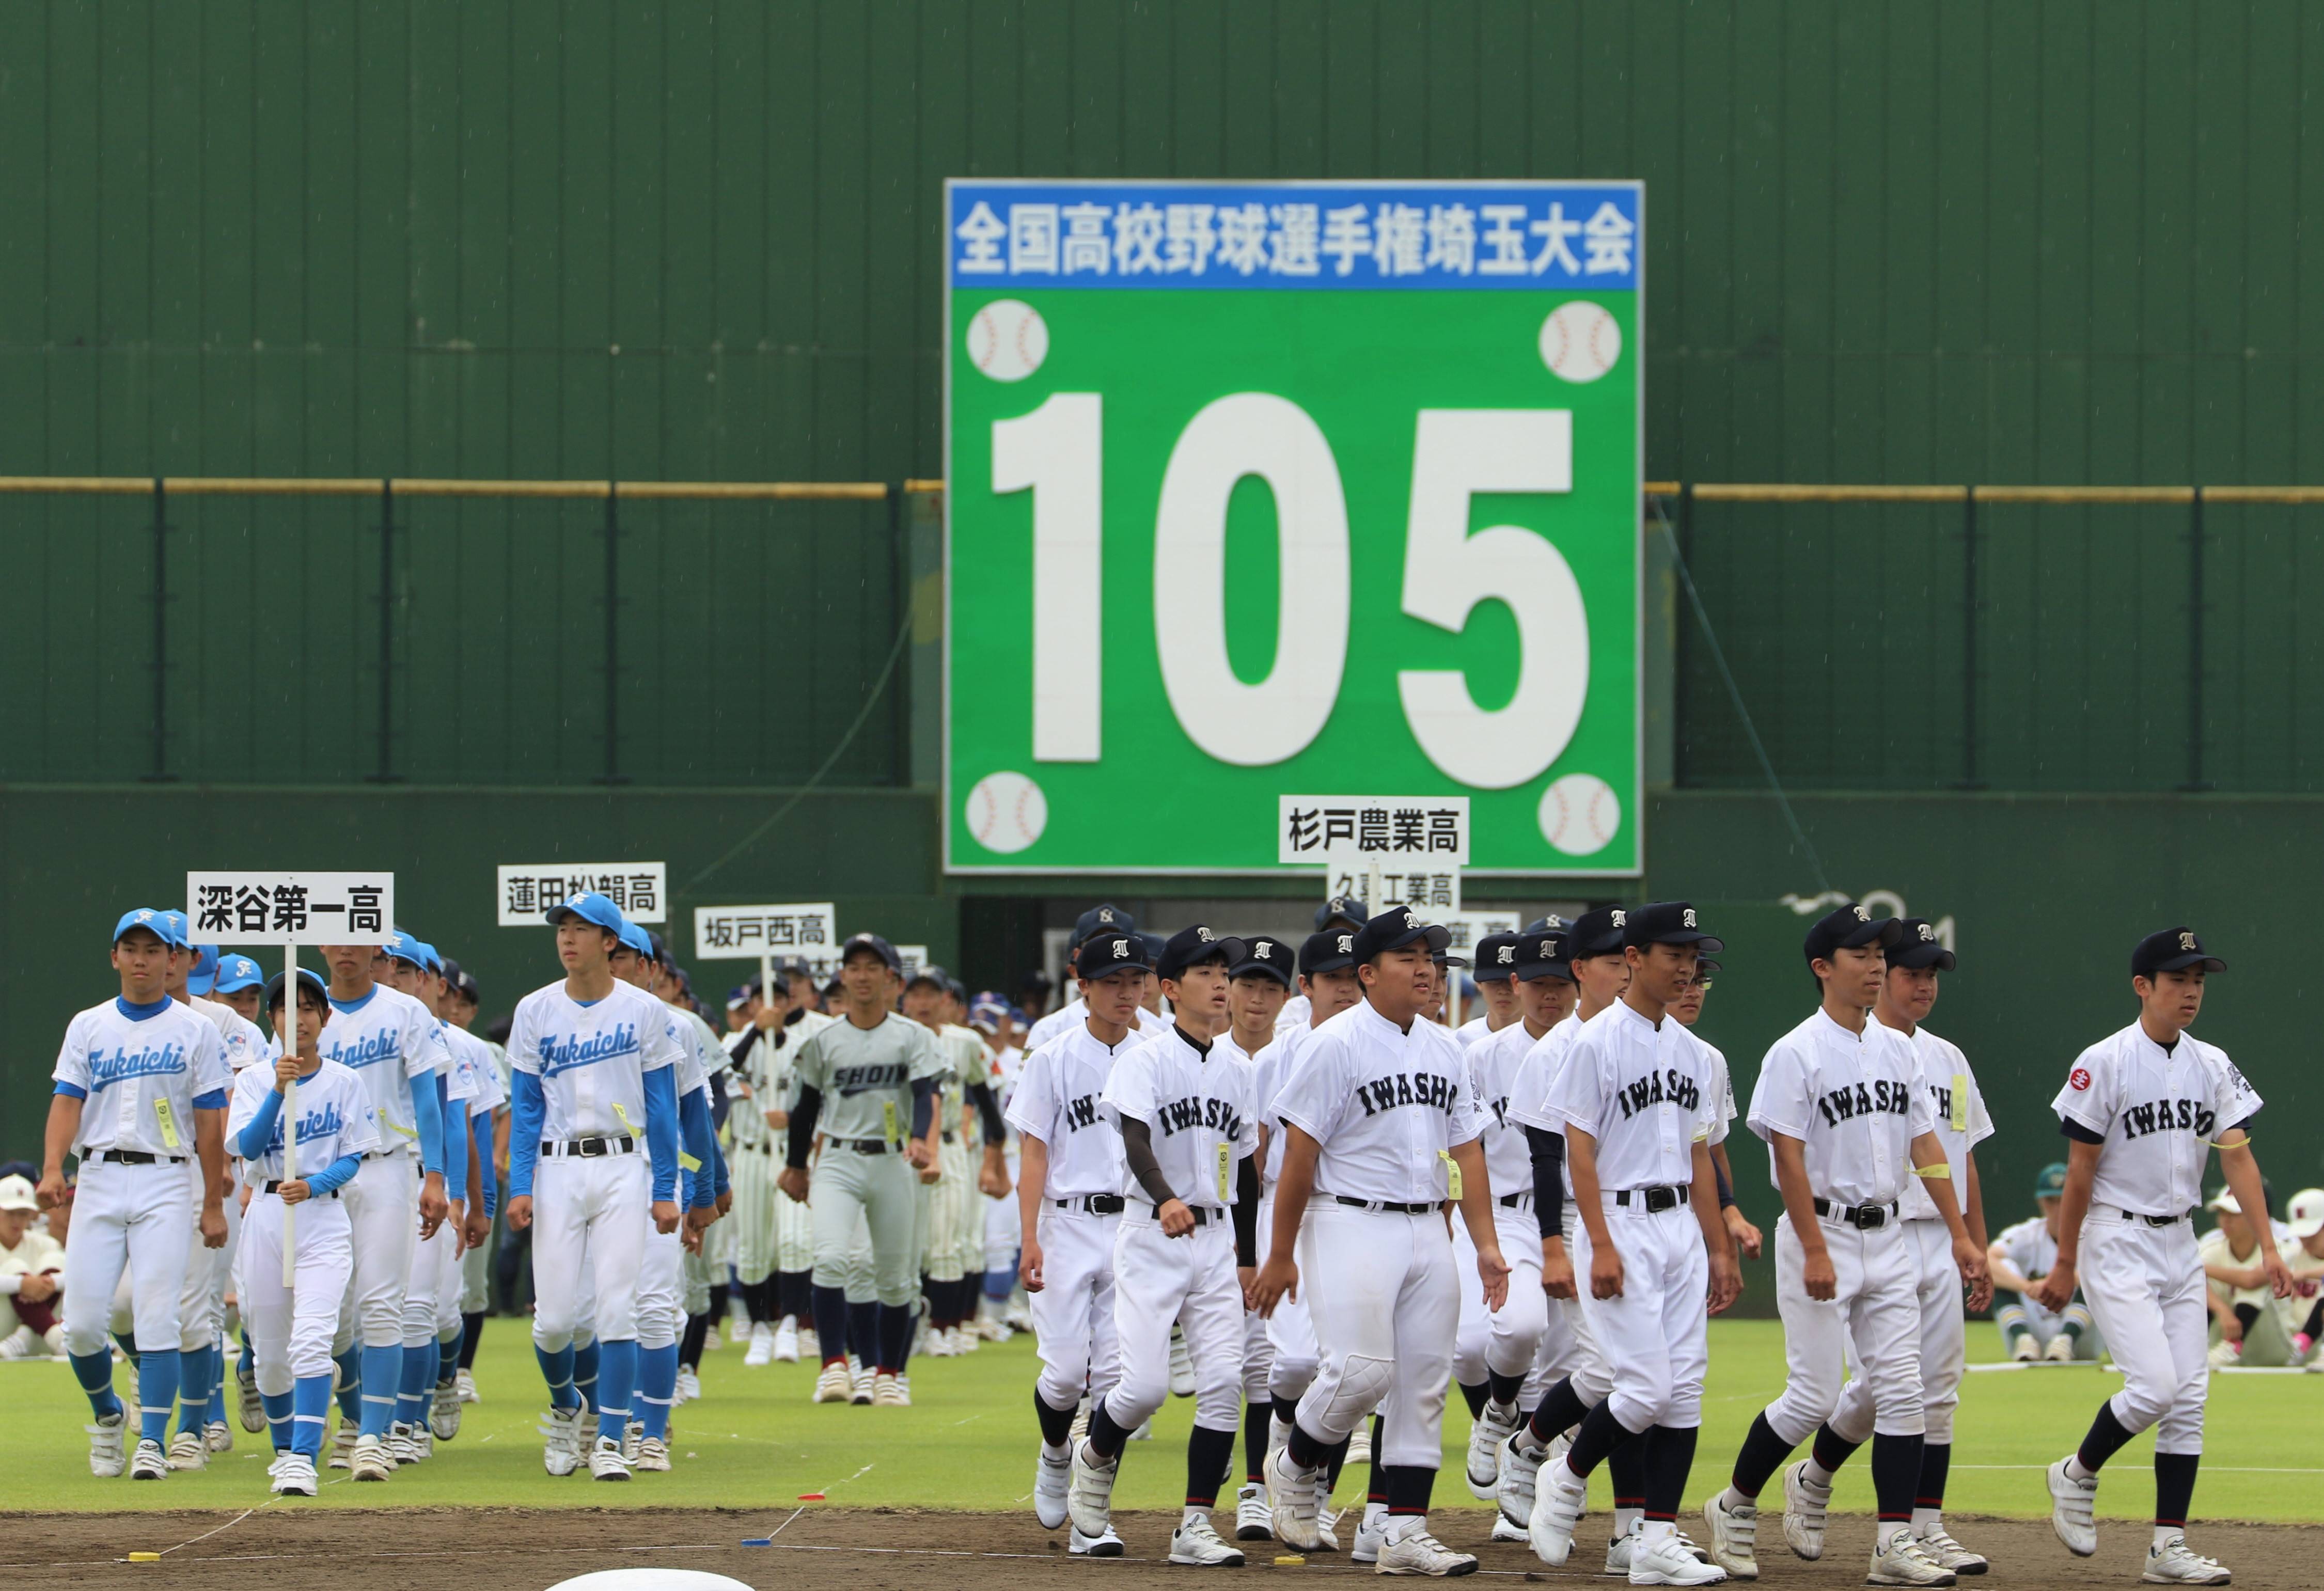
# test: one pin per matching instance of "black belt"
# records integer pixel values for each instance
(1656, 1199)
(1389, 1206)
(944, 1137)
(1864, 1217)
(277, 1187)
(2169, 1220)
(1202, 1217)
(1095, 1203)
(588, 1148)
(135, 1157)
(1514, 1200)
(861, 1145)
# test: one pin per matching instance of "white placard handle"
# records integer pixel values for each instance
(288, 1031)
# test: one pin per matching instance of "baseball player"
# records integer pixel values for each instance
(1639, 1104)
(774, 1241)
(594, 1063)
(141, 1087)
(1342, 914)
(1688, 1010)
(1070, 1203)
(2304, 1218)
(488, 1126)
(1000, 1311)
(1381, 1129)
(2251, 1326)
(1494, 987)
(2141, 1110)
(1258, 985)
(869, 1082)
(292, 1324)
(1908, 991)
(1848, 1123)
(392, 1041)
(705, 1256)
(1182, 1105)
(2020, 1257)
(955, 1246)
(239, 986)
(1098, 919)
(1498, 1350)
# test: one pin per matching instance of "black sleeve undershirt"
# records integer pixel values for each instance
(1246, 1212)
(923, 1104)
(988, 1111)
(802, 1125)
(1726, 1189)
(1548, 1180)
(1138, 1153)
(2078, 1132)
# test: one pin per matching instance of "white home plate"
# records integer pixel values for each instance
(1007, 339)
(1579, 341)
(1580, 815)
(1006, 812)
(650, 1579)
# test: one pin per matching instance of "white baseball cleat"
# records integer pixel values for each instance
(1051, 1479)
(1254, 1520)
(251, 1407)
(1668, 1560)
(1503, 1530)
(1181, 1365)
(106, 1458)
(444, 1411)
(219, 1436)
(1938, 1544)
(2073, 1510)
(1420, 1553)
(1196, 1541)
(1371, 1535)
(464, 1381)
(2060, 1350)
(2174, 1563)
(560, 1451)
(887, 1392)
(293, 1476)
(1291, 1501)
(653, 1453)
(1487, 1437)
(148, 1462)
(2025, 1350)
(1617, 1554)
(1898, 1561)
(1089, 1495)
(1806, 1506)
(690, 1387)
(1513, 1490)
(861, 1387)
(371, 1460)
(762, 1346)
(1104, 1544)
(343, 1446)
(189, 1451)
(787, 1342)
(633, 1431)
(1557, 1504)
(403, 1443)
(835, 1386)
(605, 1460)
(1359, 1444)
(1327, 1539)
(1734, 1535)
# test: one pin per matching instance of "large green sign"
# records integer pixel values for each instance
(1256, 489)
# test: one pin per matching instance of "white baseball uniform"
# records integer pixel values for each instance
(662, 1274)
(202, 1302)
(1514, 1339)
(1075, 1014)
(1538, 1067)
(392, 1042)
(1292, 1356)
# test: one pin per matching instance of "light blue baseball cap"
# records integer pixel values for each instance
(428, 958)
(634, 938)
(402, 947)
(205, 973)
(178, 935)
(590, 907)
(234, 974)
(154, 922)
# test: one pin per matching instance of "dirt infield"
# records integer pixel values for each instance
(273, 1548)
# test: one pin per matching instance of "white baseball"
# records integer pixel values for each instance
(1579, 341)
(1580, 815)
(1006, 812)
(1007, 339)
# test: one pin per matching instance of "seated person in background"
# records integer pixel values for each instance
(2020, 1256)
(2304, 1216)
(32, 1276)
(2249, 1324)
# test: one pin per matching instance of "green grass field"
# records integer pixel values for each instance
(755, 1442)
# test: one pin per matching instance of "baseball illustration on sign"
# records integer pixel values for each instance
(1325, 486)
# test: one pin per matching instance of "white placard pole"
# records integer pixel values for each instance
(289, 1034)
(766, 975)
(1453, 981)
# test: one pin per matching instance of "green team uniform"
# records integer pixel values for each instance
(864, 1077)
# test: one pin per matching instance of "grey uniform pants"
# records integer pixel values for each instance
(881, 1190)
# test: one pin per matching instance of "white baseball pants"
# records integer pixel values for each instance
(1509, 1341)
(383, 1201)
(1386, 1305)
(1593, 1381)
(291, 1327)
(137, 1219)
(201, 1301)
(1875, 1306)
(587, 1232)
(1189, 1279)
(432, 1285)
(1290, 1331)
(1661, 1317)
(2145, 1287)
(1073, 1314)
(1942, 1341)
(661, 1287)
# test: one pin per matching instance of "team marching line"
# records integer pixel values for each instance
(1296, 1194)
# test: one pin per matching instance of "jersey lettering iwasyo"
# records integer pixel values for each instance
(1385, 1106)
(1495, 1061)
(1957, 1104)
(474, 1069)
(2157, 1113)
(387, 1038)
(1854, 1100)
(592, 1060)
(141, 1072)
(334, 1120)
(1056, 1100)
(1199, 1108)
(865, 1075)
(1643, 1092)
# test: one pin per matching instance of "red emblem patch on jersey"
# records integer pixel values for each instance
(2080, 1078)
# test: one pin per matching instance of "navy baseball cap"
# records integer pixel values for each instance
(234, 974)
(1918, 946)
(1666, 922)
(933, 975)
(1195, 947)
(1542, 953)
(876, 946)
(1106, 918)
(588, 906)
(985, 1015)
(463, 982)
(1105, 953)
(1397, 928)
(1548, 922)
(1850, 927)
(1705, 967)
(155, 923)
(306, 980)
(2174, 949)
(1595, 933)
(1269, 958)
(1331, 951)
(204, 976)
(1495, 958)
(740, 995)
(1341, 908)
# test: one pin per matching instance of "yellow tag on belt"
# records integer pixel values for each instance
(1960, 1101)
(394, 1127)
(1451, 1175)
(623, 1117)
(1226, 1173)
(168, 1121)
(887, 1110)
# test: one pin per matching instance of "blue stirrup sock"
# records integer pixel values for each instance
(157, 1390)
(617, 1378)
(657, 1388)
(383, 1373)
(279, 1409)
(557, 1369)
(311, 1406)
(95, 1374)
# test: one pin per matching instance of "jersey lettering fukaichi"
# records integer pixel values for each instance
(1494, 1062)
(1387, 1106)
(1961, 1121)
(591, 1060)
(1855, 1102)
(386, 1038)
(2157, 1112)
(1643, 1092)
(141, 1072)
(334, 1120)
(1056, 1100)
(1199, 1108)
(865, 1075)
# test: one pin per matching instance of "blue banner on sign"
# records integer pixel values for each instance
(1303, 236)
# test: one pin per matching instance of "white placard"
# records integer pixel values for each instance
(1432, 893)
(914, 957)
(289, 909)
(1402, 833)
(527, 889)
(787, 932)
(1468, 927)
